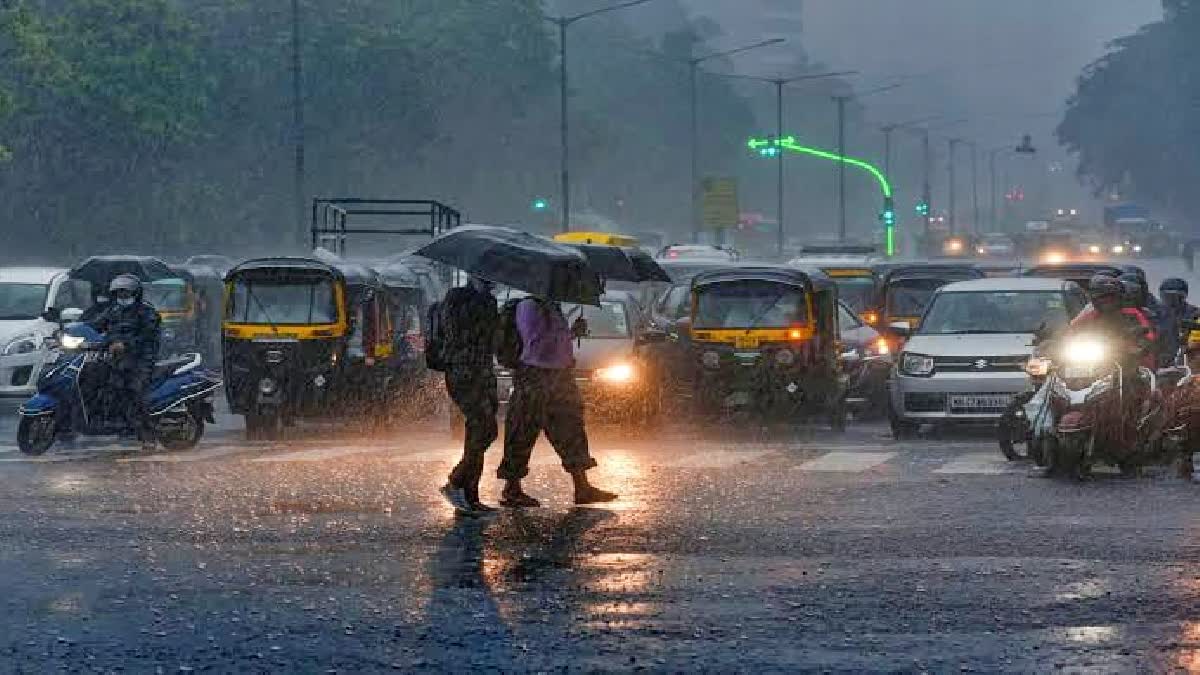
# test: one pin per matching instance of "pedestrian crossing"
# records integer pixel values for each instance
(829, 459)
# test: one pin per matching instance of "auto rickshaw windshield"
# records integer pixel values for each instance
(750, 304)
(289, 301)
(167, 295)
(910, 297)
(856, 292)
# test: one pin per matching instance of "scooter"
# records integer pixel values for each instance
(178, 401)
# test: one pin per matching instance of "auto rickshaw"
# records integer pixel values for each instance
(905, 289)
(305, 338)
(766, 338)
(605, 238)
(414, 386)
(207, 289)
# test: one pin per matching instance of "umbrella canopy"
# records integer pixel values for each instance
(518, 259)
(622, 263)
(101, 269)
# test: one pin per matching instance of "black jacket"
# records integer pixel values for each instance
(469, 320)
(138, 326)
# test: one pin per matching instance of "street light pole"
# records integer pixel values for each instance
(564, 133)
(953, 143)
(841, 144)
(779, 166)
(693, 75)
(926, 184)
(975, 187)
(297, 115)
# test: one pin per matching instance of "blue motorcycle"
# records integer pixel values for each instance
(71, 398)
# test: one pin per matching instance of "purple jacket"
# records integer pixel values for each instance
(545, 336)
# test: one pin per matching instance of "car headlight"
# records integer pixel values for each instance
(1093, 249)
(916, 364)
(1118, 249)
(72, 341)
(1084, 350)
(1037, 366)
(23, 344)
(980, 250)
(1137, 248)
(710, 359)
(621, 373)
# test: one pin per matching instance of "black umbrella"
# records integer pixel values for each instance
(617, 263)
(518, 259)
(101, 269)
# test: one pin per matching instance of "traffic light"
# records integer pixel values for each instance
(888, 216)
(922, 208)
(540, 204)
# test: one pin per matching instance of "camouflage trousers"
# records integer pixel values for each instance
(544, 401)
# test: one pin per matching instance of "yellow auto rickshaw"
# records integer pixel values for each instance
(603, 238)
(305, 338)
(766, 338)
(905, 289)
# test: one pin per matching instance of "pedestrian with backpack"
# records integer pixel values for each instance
(535, 341)
(463, 345)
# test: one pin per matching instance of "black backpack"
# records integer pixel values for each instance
(508, 340)
(435, 338)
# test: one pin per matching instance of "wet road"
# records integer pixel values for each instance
(733, 548)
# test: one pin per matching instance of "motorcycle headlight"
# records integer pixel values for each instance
(23, 344)
(710, 359)
(916, 364)
(1037, 366)
(785, 357)
(621, 373)
(1084, 351)
(879, 347)
(71, 341)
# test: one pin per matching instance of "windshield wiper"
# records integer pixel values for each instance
(762, 315)
(266, 315)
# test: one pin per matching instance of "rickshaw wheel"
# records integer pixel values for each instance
(837, 417)
(262, 427)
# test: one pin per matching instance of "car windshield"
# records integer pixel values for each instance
(21, 301)
(983, 312)
(855, 291)
(608, 321)
(286, 302)
(750, 304)
(167, 294)
(909, 297)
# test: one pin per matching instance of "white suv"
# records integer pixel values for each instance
(25, 293)
(966, 359)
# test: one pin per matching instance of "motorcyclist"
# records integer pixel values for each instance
(1127, 326)
(1143, 299)
(100, 303)
(132, 328)
(1179, 313)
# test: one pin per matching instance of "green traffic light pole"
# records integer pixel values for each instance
(772, 148)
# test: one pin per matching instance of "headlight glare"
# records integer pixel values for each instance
(620, 373)
(1037, 366)
(916, 364)
(1084, 350)
(71, 341)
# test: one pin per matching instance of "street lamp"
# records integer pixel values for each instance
(563, 22)
(693, 71)
(297, 115)
(841, 125)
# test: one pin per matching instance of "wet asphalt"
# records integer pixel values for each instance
(734, 548)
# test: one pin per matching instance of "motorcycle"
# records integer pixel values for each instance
(178, 400)
(1023, 422)
(1102, 411)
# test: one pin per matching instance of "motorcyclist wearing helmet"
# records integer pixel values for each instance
(1144, 300)
(1127, 326)
(133, 330)
(1180, 313)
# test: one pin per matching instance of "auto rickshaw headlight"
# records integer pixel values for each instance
(710, 359)
(785, 357)
(267, 385)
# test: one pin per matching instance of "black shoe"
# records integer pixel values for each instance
(518, 500)
(479, 507)
(457, 497)
(594, 495)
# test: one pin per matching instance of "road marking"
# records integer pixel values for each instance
(188, 456)
(718, 459)
(847, 461)
(985, 464)
(319, 454)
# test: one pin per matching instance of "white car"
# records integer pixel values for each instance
(25, 293)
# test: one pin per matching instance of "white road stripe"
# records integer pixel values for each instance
(717, 459)
(320, 454)
(847, 461)
(985, 464)
(189, 455)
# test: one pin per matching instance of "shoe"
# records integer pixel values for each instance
(594, 495)
(518, 500)
(457, 497)
(480, 507)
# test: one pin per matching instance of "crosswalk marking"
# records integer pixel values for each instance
(319, 454)
(987, 464)
(847, 461)
(188, 456)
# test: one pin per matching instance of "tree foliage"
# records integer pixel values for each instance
(1133, 120)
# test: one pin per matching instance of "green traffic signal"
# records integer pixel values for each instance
(540, 204)
(922, 209)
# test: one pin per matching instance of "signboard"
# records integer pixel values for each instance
(719, 203)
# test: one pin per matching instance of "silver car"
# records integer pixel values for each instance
(966, 358)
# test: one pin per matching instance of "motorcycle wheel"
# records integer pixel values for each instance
(1009, 435)
(35, 435)
(837, 417)
(182, 438)
(901, 430)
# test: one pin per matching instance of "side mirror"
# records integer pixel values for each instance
(52, 315)
(71, 315)
(900, 328)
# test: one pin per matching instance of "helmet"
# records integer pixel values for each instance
(125, 284)
(1131, 292)
(1102, 288)
(1173, 285)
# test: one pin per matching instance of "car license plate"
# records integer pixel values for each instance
(976, 401)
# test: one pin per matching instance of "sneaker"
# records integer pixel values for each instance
(457, 497)
(594, 495)
(518, 500)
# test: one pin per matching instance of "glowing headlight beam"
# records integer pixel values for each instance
(1085, 351)
(620, 373)
(71, 341)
